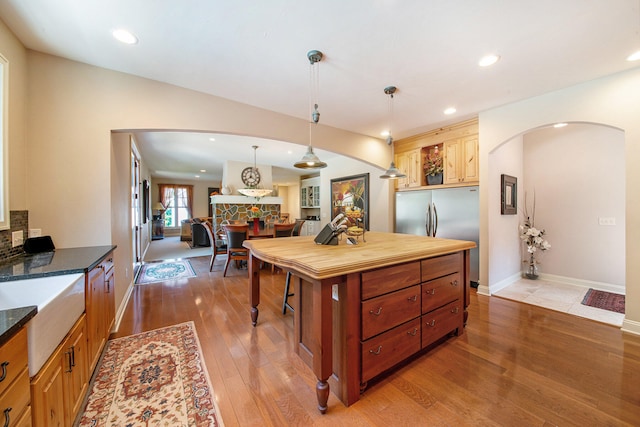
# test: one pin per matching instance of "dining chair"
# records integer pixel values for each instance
(281, 230)
(218, 246)
(298, 227)
(295, 231)
(236, 234)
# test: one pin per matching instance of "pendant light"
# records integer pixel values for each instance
(251, 177)
(310, 160)
(393, 172)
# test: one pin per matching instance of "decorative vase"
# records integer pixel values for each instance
(434, 179)
(256, 225)
(226, 190)
(532, 269)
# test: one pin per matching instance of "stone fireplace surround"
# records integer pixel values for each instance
(233, 208)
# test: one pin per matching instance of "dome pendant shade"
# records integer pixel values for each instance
(393, 172)
(310, 161)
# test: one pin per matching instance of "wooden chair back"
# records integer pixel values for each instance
(298, 227)
(283, 230)
(236, 234)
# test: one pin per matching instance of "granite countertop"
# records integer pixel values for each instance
(12, 320)
(32, 266)
(54, 263)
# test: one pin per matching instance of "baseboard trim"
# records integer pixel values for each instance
(609, 287)
(630, 326)
(122, 307)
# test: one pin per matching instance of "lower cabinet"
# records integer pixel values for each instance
(14, 382)
(100, 308)
(59, 388)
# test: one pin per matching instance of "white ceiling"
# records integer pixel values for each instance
(255, 52)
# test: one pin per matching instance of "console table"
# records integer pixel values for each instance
(362, 309)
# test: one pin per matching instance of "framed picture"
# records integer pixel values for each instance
(350, 196)
(509, 195)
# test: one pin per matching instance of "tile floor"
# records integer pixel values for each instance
(558, 296)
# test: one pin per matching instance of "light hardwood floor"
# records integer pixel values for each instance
(515, 365)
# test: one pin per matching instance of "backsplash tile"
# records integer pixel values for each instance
(19, 221)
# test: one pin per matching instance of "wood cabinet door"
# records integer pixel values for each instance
(47, 393)
(452, 173)
(75, 369)
(470, 157)
(95, 315)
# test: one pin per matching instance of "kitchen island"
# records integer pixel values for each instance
(362, 309)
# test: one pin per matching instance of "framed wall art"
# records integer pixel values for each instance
(350, 196)
(212, 191)
(509, 195)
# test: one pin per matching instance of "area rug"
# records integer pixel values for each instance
(156, 378)
(604, 300)
(165, 270)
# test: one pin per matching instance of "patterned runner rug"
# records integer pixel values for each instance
(604, 300)
(151, 379)
(164, 270)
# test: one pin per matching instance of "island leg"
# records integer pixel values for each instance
(323, 340)
(254, 287)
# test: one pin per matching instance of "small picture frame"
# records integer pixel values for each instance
(509, 195)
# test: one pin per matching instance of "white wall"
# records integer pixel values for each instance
(613, 101)
(505, 262)
(577, 174)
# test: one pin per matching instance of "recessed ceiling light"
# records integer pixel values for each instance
(212, 139)
(634, 56)
(559, 125)
(203, 170)
(384, 133)
(450, 110)
(125, 36)
(488, 60)
(197, 176)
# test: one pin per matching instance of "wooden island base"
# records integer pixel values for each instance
(363, 309)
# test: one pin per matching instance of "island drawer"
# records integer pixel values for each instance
(438, 292)
(389, 279)
(390, 348)
(13, 358)
(386, 311)
(433, 268)
(440, 322)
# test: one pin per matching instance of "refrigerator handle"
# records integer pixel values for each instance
(427, 219)
(435, 220)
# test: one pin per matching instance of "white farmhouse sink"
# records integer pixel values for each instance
(60, 301)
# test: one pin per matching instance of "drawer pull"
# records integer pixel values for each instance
(455, 310)
(377, 313)
(430, 291)
(454, 283)
(432, 323)
(413, 298)
(7, 419)
(413, 333)
(4, 371)
(377, 352)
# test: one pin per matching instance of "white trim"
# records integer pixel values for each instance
(5, 223)
(630, 326)
(122, 308)
(609, 287)
(496, 287)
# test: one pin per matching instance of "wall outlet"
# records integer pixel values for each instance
(35, 232)
(606, 221)
(17, 238)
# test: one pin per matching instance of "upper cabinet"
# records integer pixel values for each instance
(461, 160)
(458, 146)
(410, 164)
(310, 193)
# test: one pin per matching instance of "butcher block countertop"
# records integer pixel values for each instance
(319, 262)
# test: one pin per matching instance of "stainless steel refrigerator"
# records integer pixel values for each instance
(450, 213)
